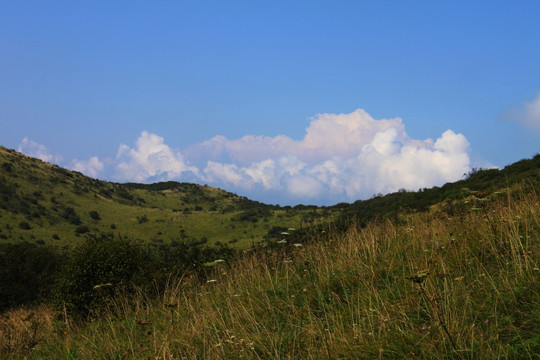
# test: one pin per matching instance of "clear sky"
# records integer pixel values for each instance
(287, 102)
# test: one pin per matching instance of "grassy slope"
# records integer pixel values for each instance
(342, 295)
(35, 198)
(478, 183)
(347, 296)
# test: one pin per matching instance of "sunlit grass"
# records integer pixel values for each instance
(345, 296)
(194, 213)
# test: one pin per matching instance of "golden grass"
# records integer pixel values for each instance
(347, 296)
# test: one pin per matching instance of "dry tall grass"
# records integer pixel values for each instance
(350, 296)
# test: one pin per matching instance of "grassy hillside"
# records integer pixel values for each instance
(449, 272)
(461, 280)
(479, 183)
(45, 204)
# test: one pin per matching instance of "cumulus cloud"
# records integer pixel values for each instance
(267, 174)
(342, 157)
(33, 149)
(93, 167)
(150, 159)
(328, 135)
(528, 115)
(386, 165)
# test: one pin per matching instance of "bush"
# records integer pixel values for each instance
(70, 215)
(98, 269)
(94, 215)
(27, 274)
(181, 257)
(7, 167)
(81, 229)
(142, 219)
(24, 225)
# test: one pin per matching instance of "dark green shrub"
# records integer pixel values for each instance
(27, 274)
(182, 257)
(24, 225)
(94, 215)
(142, 219)
(70, 215)
(124, 193)
(7, 167)
(81, 229)
(101, 268)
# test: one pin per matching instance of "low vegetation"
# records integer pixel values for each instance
(430, 285)
(443, 273)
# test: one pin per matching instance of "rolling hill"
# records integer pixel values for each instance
(46, 204)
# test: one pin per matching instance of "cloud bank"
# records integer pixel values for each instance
(342, 157)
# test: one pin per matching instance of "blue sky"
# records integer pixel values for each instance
(282, 101)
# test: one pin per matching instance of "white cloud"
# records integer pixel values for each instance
(342, 157)
(304, 187)
(151, 159)
(32, 148)
(93, 167)
(226, 173)
(528, 115)
(327, 136)
(343, 135)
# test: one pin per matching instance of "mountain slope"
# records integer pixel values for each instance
(44, 203)
(479, 183)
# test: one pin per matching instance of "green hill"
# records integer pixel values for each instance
(478, 184)
(46, 204)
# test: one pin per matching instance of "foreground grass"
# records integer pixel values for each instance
(426, 286)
